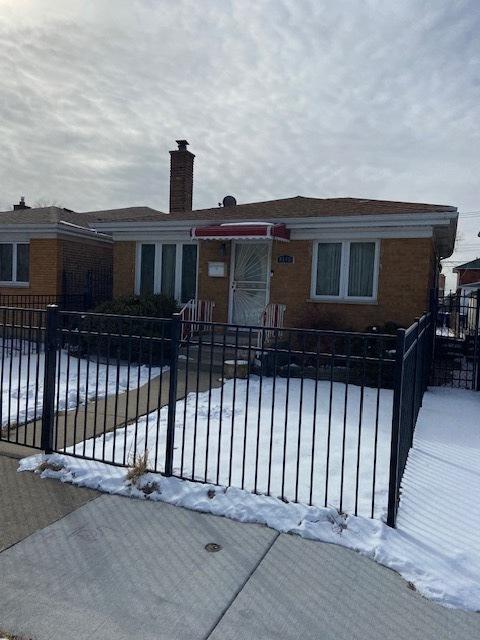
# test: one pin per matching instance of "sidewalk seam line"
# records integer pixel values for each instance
(49, 524)
(242, 586)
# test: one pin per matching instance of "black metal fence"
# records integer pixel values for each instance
(414, 352)
(33, 301)
(457, 349)
(80, 292)
(303, 415)
(22, 369)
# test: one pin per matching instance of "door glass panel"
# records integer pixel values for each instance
(251, 263)
(22, 262)
(189, 272)
(168, 270)
(147, 269)
(250, 280)
(6, 257)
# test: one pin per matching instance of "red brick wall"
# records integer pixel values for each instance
(467, 276)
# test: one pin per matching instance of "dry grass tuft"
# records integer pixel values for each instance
(9, 636)
(51, 466)
(138, 467)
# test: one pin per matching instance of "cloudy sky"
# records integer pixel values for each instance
(368, 98)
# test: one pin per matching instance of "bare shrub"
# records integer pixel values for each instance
(138, 467)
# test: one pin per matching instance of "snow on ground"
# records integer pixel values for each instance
(225, 430)
(436, 545)
(22, 398)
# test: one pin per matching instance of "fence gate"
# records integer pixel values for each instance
(457, 344)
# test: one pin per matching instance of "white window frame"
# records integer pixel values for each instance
(14, 282)
(344, 271)
(157, 276)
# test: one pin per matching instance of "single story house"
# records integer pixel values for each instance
(347, 263)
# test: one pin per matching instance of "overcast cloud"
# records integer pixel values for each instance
(366, 98)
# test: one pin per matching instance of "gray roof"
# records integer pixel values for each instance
(473, 264)
(44, 215)
(296, 207)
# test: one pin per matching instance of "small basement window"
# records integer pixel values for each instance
(345, 270)
(14, 263)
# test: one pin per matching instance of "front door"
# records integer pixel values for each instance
(251, 263)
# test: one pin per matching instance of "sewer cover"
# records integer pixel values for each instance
(213, 546)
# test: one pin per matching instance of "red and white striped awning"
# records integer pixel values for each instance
(242, 231)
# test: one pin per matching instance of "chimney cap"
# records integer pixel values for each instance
(182, 145)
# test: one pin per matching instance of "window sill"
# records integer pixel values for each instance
(15, 285)
(341, 301)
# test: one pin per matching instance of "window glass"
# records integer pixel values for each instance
(361, 268)
(189, 272)
(147, 269)
(23, 259)
(329, 259)
(6, 259)
(168, 269)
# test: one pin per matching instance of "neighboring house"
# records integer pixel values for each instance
(468, 274)
(43, 249)
(333, 262)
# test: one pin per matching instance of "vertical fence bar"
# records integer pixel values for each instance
(176, 327)
(48, 415)
(476, 344)
(396, 423)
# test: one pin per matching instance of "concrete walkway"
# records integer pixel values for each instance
(100, 566)
(107, 414)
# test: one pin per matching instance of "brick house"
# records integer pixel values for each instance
(44, 249)
(347, 263)
(468, 273)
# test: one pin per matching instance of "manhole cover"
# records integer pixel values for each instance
(212, 547)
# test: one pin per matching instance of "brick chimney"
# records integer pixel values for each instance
(181, 178)
(20, 205)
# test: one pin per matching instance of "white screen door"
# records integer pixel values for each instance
(250, 282)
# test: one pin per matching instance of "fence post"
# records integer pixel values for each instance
(476, 345)
(50, 365)
(393, 486)
(172, 392)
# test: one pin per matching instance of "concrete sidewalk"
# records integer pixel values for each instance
(116, 568)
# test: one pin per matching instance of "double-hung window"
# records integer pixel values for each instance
(14, 263)
(168, 268)
(345, 270)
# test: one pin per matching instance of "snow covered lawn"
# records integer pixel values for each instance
(436, 545)
(22, 398)
(211, 446)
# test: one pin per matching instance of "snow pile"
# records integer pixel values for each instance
(22, 397)
(436, 545)
(220, 438)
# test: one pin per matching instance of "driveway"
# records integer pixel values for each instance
(78, 564)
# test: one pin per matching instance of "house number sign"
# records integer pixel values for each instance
(285, 259)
